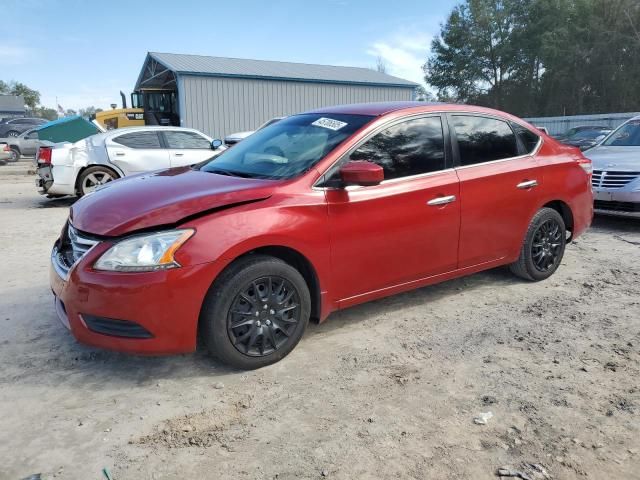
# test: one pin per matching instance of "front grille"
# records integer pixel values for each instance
(612, 178)
(115, 328)
(71, 247)
(616, 206)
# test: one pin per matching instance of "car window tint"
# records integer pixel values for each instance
(408, 148)
(182, 140)
(482, 139)
(528, 139)
(139, 140)
(31, 135)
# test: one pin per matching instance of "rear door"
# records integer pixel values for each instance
(407, 227)
(186, 148)
(136, 152)
(499, 181)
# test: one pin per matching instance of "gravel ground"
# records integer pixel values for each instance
(389, 389)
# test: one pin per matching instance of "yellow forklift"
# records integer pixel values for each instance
(148, 107)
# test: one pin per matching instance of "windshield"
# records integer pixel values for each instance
(587, 134)
(286, 148)
(628, 135)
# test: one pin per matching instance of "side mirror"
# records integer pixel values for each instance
(216, 144)
(358, 172)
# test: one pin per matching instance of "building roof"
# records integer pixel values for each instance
(12, 104)
(272, 70)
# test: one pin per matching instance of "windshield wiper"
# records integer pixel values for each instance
(230, 173)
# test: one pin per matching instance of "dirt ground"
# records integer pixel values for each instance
(389, 389)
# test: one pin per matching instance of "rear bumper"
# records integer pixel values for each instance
(145, 313)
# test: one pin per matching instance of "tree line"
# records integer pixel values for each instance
(32, 102)
(539, 57)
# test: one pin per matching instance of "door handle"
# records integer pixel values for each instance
(119, 154)
(179, 154)
(527, 184)
(441, 200)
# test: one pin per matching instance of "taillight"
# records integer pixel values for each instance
(44, 155)
(586, 165)
(6, 147)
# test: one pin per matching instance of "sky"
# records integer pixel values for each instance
(83, 52)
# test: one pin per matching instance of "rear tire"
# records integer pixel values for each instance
(255, 313)
(543, 247)
(93, 177)
(15, 155)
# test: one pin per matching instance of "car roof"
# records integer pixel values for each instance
(119, 131)
(382, 108)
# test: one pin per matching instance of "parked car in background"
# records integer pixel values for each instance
(542, 129)
(321, 211)
(78, 168)
(616, 171)
(13, 127)
(572, 131)
(5, 153)
(26, 144)
(234, 138)
(587, 138)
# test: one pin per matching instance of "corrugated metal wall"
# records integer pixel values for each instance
(220, 106)
(559, 125)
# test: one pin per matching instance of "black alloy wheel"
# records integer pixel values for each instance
(543, 246)
(263, 316)
(256, 312)
(546, 245)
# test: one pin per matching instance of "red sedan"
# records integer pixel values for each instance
(315, 213)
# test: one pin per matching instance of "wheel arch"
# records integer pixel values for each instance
(565, 212)
(84, 167)
(298, 261)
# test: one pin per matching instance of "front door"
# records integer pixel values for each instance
(498, 187)
(186, 148)
(407, 227)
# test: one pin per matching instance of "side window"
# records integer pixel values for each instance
(139, 140)
(528, 139)
(408, 148)
(180, 140)
(32, 135)
(482, 139)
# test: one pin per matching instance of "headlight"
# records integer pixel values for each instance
(144, 253)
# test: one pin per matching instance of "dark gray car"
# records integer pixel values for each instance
(13, 127)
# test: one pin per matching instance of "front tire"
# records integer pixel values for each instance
(543, 247)
(256, 312)
(12, 133)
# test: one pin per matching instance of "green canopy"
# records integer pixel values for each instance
(67, 129)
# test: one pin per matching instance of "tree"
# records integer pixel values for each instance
(381, 65)
(31, 97)
(538, 57)
(422, 95)
(44, 112)
(89, 111)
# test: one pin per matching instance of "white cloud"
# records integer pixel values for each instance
(14, 55)
(403, 54)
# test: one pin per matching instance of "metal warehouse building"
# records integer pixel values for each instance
(220, 95)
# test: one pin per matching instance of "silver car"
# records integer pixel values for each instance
(26, 144)
(616, 171)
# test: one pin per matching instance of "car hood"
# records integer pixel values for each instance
(162, 198)
(614, 158)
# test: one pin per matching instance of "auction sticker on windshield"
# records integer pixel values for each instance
(329, 123)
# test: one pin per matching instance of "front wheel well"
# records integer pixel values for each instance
(565, 212)
(300, 263)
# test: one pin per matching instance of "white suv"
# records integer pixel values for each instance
(78, 168)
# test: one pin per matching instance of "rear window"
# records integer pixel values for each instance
(483, 139)
(139, 140)
(528, 139)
